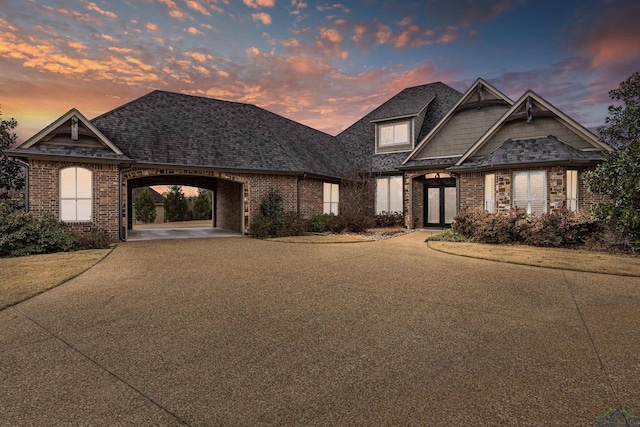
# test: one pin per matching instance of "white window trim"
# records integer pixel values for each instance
(388, 195)
(529, 199)
(332, 205)
(572, 191)
(394, 147)
(490, 193)
(76, 198)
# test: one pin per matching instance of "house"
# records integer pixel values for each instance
(432, 151)
(158, 201)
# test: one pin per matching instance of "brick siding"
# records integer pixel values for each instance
(44, 194)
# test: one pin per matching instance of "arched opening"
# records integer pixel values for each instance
(227, 197)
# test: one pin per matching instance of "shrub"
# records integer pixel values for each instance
(447, 236)
(320, 223)
(389, 219)
(271, 205)
(291, 225)
(262, 227)
(93, 240)
(465, 223)
(351, 222)
(23, 234)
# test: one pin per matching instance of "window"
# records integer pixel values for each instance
(331, 198)
(75, 194)
(389, 194)
(490, 192)
(572, 190)
(530, 191)
(393, 134)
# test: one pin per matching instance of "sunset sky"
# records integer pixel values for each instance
(321, 63)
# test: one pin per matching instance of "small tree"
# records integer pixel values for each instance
(145, 206)
(618, 176)
(202, 205)
(271, 206)
(11, 173)
(175, 204)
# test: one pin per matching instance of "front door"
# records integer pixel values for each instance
(440, 204)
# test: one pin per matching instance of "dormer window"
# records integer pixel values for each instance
(394, 134)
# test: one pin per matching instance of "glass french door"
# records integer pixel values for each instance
(440, 204)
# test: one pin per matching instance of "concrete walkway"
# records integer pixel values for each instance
(178, 233)
(238, 331)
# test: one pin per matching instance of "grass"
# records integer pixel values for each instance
(25, 277)
(564, 259)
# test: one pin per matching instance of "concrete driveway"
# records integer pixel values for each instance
(237, 331)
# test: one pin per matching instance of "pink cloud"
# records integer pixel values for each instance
(94, 8)
(254, 4)
(261, 17)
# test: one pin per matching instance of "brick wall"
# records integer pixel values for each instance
(229, 205)
(44, 193)
(471, 190)
(311, 197)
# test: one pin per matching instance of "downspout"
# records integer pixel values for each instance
(122, 171)
(26, 183)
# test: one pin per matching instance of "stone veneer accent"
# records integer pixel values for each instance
(414, 196)
(44, 193)
(472, 189)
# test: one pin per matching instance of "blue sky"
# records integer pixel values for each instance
(324, 64)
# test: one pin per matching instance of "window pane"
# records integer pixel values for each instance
(572, 190)
(326, 193)
(433, 209)
(490, 192)
(401, 133)
(382, 190)
(395, 194)
(84, 210)
(520, 187)
(536, 185)
(68, 183)
(386, 135)
(83, 186)
(335, 193)
(68, 210)
(450, 204)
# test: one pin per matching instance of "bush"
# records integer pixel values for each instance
(23, 234)
(389, 219)
(292, 225)
(320, 223)
(271, 205)
(202, 205)
(93, 240)
(557, 228)
(351, 222)
(447, 236)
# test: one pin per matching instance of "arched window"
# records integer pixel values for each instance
(76, 191)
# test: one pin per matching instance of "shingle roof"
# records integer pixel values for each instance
(70, 151)
(531, 151)
(359, 139)
(158, 198)
(437, 162)
(176, 129)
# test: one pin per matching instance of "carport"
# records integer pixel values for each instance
(228, 196)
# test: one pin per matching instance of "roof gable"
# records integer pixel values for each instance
(529, 107)
(72, 128)
(480, 94)
(531, 151)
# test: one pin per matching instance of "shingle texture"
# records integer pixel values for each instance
(359, 139)
(175, 129)
(531, 151)
(438, 162)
